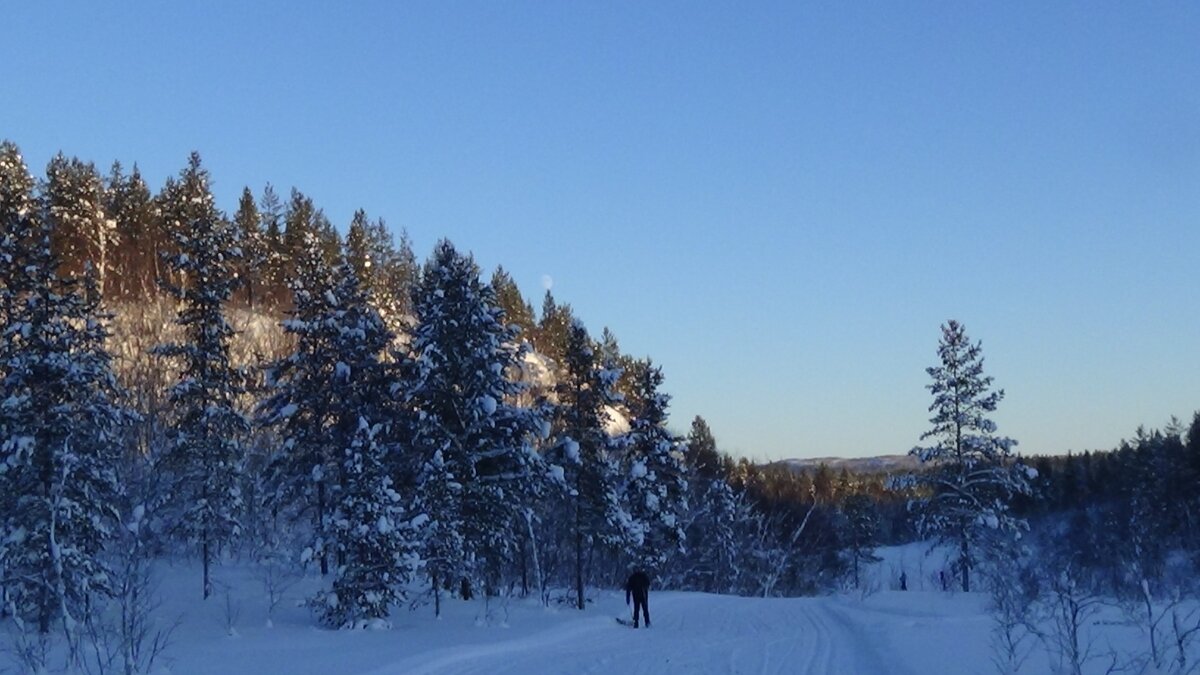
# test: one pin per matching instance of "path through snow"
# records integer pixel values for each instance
(693, 633)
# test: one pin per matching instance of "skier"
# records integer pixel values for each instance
(638, 587)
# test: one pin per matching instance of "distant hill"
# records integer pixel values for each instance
(880, 464)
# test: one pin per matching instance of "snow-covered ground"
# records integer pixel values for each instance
(919, 631)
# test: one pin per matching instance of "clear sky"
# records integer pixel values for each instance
(778, 202)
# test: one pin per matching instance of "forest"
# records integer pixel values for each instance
(179, 382)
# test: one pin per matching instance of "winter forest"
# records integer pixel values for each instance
(310, 404)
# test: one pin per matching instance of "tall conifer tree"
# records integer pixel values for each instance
(972, 473)
(205, 453)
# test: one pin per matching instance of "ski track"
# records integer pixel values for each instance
(710, 635)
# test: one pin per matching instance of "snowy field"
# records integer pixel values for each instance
(919, 631)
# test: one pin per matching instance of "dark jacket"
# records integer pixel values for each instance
(638, 585)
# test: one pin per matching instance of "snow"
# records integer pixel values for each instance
(883, 630)
(487, 404)
(571, 450)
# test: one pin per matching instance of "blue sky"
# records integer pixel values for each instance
(778, 202)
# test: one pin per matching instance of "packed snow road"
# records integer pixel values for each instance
(692, 633)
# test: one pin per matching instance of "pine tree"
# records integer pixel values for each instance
(587, 454)
(360, 253)
(702, 454)
(59, 424)
(276, 262)
(83, 233)
(130, 205)
(399, 275)
(656, 488)
(463, 354)
(972, 473)
(248, 221)
(203, 460)
(517, 311)
(554, 329)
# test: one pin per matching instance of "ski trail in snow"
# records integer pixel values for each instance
(692, 633)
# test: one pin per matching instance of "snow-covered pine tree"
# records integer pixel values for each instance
(970, 474)
(373, 534)
(655, 482)
(59, 429)
(203, 459)
(464, 354)
(301, 404)
(588, 454)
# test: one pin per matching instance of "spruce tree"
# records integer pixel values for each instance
(971, 474)
(203, 459)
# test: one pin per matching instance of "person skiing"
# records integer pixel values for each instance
(638, 587)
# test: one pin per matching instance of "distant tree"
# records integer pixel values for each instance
(16, 230)
(972, 474)
(130, 205)
(860, 535)
(517, 311)
(399, 276)
(702, 454)
(82, 230)
(248, 221)
(276, 262)
(553, 329)
(205, 452)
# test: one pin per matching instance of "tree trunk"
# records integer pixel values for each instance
(965, 562)
(321, 527)
(579, 568)
(204, 555)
